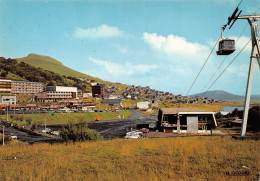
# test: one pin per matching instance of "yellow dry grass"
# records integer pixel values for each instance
(196, 158)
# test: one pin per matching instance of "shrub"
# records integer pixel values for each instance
(7, 139)
(33, 127)
(21, 118)
(78, 132)
(254, 118)
(28, 121)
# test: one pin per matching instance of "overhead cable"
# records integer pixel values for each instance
(223, 60)
(203, 66)
(226, 68)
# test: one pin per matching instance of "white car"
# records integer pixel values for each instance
(13, 136)
(47, 130)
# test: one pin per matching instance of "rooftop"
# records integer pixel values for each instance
(176, 110)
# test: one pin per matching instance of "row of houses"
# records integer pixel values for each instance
(152, 95)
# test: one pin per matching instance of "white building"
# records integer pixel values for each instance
(61, 92)
(87, 95)
(8, 100)
(143, 105)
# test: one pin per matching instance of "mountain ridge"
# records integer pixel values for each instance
(224, 95)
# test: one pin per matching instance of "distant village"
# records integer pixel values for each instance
(71, 99)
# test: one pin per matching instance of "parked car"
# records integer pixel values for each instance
(47, 130)
(144, 130)
(13, 136)
(55, 133)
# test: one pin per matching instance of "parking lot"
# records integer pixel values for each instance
(26, 137)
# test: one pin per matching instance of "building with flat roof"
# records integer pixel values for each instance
(61, 92)
(23, 87)
(98, 90)
(20, 87)
(186, 120)
(8, 100)
(143, 105)
(5, 86)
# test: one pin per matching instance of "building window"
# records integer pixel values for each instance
(165, 119)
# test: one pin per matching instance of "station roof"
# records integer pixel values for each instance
(183, 110)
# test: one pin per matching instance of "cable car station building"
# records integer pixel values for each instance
(186, 120)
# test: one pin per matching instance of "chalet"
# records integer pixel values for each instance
(185, 120)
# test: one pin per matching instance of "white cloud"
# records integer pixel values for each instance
(102, 31)
(128, 69)
(176, 46)
(239, 70)
(242, 41)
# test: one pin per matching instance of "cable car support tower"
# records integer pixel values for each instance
(255, 54)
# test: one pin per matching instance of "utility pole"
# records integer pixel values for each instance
(45, 122)
(7, 112)
(3, 135)
(255, 54)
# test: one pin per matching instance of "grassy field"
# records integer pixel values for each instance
(197, 158)
(63, 118)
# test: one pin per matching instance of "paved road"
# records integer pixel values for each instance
(109, 129)
(117, 128)
(26, 137)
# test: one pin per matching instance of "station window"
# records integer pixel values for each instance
(165, 118)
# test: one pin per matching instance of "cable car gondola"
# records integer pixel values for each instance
(226, 47)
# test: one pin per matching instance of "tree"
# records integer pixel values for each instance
(4, 73)
(51, 84)
(254, 118)
(78, 132)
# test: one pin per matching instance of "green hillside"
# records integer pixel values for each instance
(51, 64)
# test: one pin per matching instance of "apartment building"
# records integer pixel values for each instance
(61, 92)
(22, 87)
(98, 90)
(5, 86)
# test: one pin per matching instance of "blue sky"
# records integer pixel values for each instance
(162, 44)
